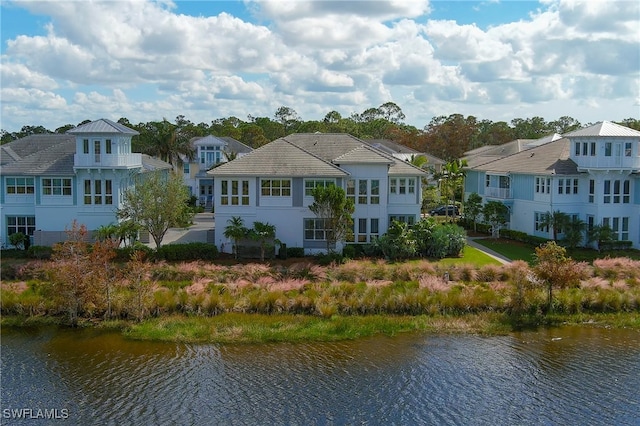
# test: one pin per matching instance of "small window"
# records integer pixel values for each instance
(607, 149)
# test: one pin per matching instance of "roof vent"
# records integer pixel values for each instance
(532, 154)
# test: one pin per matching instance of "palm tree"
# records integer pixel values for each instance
(556, 220)
(573, 234)
(451, 179)
(263, 232)
(235, 230)
(165, 141)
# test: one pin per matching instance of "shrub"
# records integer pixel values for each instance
(295, 252)
(39, 252)
(124, 254)
(189, 251)
(618, 267)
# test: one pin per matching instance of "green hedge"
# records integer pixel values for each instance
(188, 251)
(615, 245)
(295, 252)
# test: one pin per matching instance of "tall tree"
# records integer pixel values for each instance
(554, 269)
(391, 112)
(288, 117)
(556, 220)
(166, 141)
(332, 206)
(157, 203)
(235, 230)
(495, 214)
(263, 233)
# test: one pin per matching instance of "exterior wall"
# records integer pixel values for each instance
(618, 158)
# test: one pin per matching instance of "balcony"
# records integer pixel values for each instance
(108, 160)
(608, 163)
(494, 192)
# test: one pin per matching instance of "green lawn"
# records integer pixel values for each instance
(473, 256)
(515, 250)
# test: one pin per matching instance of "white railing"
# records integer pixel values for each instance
(599, 162)
(108, 160)
(497, 192)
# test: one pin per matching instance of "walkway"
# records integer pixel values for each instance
(203, 223)
(500, 258)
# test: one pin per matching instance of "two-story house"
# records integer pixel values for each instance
(592, 174)
(209, 152)
(274, 184)
(47, 181)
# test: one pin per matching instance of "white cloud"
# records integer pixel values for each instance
(143, 60)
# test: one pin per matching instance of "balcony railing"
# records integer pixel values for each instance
(497, 192)
(108, 160)
(614, 162)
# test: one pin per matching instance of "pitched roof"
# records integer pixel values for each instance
(230, 143)
(547, 159)
(103, 126)
(150, 163)
(362, 154)
(52, 155)
(44, 154)
(278, 158)
(312, 154)
(604, 128)
(391, 146)
(236, 146)
(488, 153)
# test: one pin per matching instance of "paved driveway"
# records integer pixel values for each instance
(203, 223)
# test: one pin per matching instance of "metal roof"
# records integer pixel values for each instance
(102, 126)
(604, 128)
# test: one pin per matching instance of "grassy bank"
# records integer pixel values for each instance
(235, 328)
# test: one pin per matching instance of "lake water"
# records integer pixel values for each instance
(563, 376)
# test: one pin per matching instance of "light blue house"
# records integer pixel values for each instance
(274, 184)
(209, 151)
(592, 174)
(48, 180)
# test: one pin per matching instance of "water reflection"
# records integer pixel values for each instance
(561, 376)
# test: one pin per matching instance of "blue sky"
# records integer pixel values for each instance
(67, 61)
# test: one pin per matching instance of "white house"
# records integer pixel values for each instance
(48, 180)
(274, 183)
(591, 173)
(209, 151)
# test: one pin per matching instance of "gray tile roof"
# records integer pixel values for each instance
(363, 154)
(150, 163)
(604, 128)
(488, 153)
(312, 154)
(278, 158)
(51, 155)
(236, 146)
(391, 146)
(46, 154)
(102, 126)
(547, 159)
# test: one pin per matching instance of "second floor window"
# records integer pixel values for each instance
(402, 186)
(567, 186)
(56, 186)
(20, 185)
(234, 192)
(311, 184)
(543, 185)
(276, 187)
(617, 191)
(98, 192)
